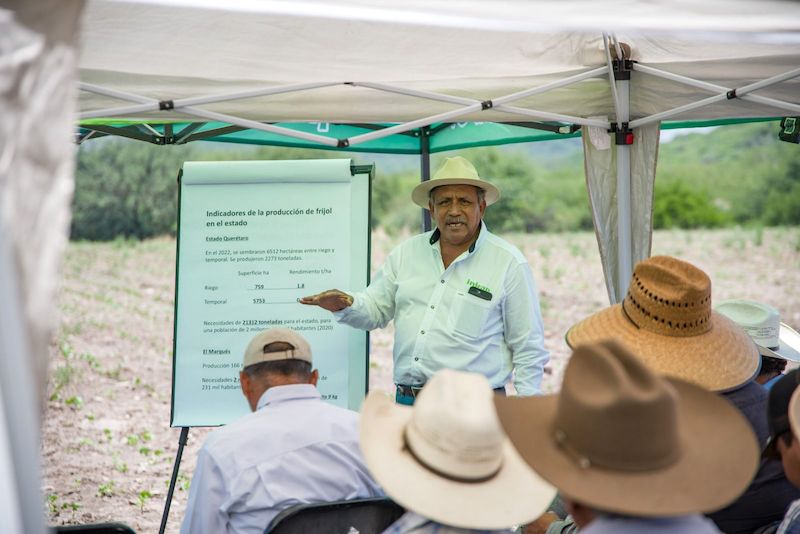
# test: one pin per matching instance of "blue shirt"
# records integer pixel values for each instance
(480, 314)
(687, 524)
(293, 449)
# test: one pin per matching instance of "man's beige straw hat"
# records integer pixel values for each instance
(447, 459)
(666, 319)
(622, 439)
(454, 171)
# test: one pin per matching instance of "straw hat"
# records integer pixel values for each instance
(763, 323)
(256, 353)
(621, 439)
(447, 459)
(666, 319)
(454, 171)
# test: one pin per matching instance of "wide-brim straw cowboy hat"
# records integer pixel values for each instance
(763, 324)
(622, 439)
(454, 171)
(667, 320)
(447, 458)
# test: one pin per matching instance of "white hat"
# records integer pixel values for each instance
(447, 457)
(763, 323)
(455, 171)
(255, 352)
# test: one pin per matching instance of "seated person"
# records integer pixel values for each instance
(294, 448)
(783, 444)
(447, 461)
(667, 321)
(630, 451)
(777, 342)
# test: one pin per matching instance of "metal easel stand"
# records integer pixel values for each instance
(184, 437)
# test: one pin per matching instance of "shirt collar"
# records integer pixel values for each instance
(290, 392)
(436, 234)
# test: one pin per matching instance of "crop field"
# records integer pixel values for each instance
(107, 449)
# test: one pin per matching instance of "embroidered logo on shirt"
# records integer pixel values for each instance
(473, 283)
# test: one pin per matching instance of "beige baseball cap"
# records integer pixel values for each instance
(255, 352)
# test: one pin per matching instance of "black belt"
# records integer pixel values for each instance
(413, 391)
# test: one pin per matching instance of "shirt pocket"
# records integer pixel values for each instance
(468, 314)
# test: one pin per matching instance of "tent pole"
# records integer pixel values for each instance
(624, 233)
(425, 170)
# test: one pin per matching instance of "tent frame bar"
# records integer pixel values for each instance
(187, 106)
(724, 93)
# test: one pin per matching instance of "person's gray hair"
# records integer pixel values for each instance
(481, 193)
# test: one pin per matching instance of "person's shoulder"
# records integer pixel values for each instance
(341, 413)
(230, 435)
(416, 240)
(498, 245)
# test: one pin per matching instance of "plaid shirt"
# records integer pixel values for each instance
(791, 521)
(411, 523)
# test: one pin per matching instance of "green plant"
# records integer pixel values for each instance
(133, 440)
(758, 239)
(74, 402)
(52, 503)
(62, 376)
(90, 359)
(107, 489)
(144, 496)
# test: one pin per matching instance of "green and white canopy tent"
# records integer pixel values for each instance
(422, 77)
(388, 75)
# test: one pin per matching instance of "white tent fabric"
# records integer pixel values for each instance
(601, 181)
(38, 60)
(418, 63)
(424, 62)
(475, 50)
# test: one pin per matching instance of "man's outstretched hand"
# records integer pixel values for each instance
(331, 300)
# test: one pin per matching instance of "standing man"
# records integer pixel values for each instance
(294, 448)
(461, 297)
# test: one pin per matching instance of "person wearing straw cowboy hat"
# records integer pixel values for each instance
(448, 462)
(667, 321)
(777, 342)
(461, 297)
(631, 451)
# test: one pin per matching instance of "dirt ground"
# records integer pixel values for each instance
(107, 449)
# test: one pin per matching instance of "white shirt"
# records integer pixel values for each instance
(293, 449)
(439, 323)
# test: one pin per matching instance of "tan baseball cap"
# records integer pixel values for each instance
(255, 352)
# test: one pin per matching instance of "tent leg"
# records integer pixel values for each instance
(624, 233)
(425, 171)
